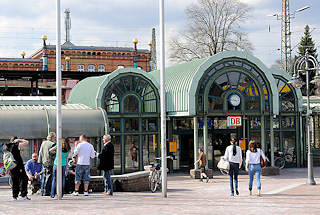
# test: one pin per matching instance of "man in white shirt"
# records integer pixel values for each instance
(85, 152)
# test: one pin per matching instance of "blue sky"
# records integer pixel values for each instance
(117, 22)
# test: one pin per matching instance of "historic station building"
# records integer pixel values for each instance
(208, 101)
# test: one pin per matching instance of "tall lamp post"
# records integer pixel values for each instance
(305, 64)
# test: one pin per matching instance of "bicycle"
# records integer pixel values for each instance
(155, 179)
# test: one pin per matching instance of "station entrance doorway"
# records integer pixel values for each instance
(221, 135)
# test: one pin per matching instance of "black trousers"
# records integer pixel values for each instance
(19, 182)
(46, 181)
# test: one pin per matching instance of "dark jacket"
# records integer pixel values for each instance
(106, 157)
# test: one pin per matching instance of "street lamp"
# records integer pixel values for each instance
(305, 64)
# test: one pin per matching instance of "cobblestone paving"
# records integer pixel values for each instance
(284, 194)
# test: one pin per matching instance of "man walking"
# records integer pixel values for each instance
(106, 157)
(47, 158)
(18, 174)
(34, 171)
(84, 151)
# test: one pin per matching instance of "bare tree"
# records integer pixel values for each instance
(213, 26)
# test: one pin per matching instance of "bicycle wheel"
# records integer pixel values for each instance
(280, 162)
(224, 172)
(153, 182)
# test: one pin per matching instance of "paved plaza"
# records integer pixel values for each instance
(284, 194)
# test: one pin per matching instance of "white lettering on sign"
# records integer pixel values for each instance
(234, 121)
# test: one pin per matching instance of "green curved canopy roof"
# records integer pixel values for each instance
(182, 81)
(90, 90)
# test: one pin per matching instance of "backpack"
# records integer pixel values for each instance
(8, 160)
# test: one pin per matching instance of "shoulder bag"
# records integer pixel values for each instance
(223, 164)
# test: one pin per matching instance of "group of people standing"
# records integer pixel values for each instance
(42, 171)
(254, 154)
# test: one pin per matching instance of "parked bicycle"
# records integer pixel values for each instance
(3, 173)
(155, 179)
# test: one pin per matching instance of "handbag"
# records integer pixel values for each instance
(223, 164)
(263, 163)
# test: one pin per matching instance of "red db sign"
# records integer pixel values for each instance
(234, 121)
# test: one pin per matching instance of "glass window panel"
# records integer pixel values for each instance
(255, 135)
(126, 81)
(215, 90)
(132, 152)
(281, 85)
(252, 90)
(234, 78)
(244, 82)
(255, 123)
(141, 86)
(116, 141)
(200, 103)
(287, 106)
(229, 63)
(131, 104)
(289, 147)
(288, 122)
(288, 96)
(131, 124)
(115, 125)
(285, 90)
(219, 123)
(149, 124)
(215, 103)
(276, 123)
(252, 103)
(223, 82)
(149, 148)
(120, 85)
(316, 132)
(150, 106)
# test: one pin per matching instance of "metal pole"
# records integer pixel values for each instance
(163, 101)
(205, 137)
(196, 140)
(58, 96)
(311, 180)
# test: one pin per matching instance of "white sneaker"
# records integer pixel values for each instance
(75, 193)
(85, 193)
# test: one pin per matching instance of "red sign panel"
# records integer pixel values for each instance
(234, 121)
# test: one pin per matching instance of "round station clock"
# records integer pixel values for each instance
(234, 100)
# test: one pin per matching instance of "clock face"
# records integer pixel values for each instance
(234, 100)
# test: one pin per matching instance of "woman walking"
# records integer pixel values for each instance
(253, 165)
(233, 154)
(65, 153)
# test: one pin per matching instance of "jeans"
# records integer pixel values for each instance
(19, 182)
(54, 180)
(108, 187)
(46, 181)
(233, 172)
(82, 173)
(254, 170)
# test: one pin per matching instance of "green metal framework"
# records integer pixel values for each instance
(132, 105)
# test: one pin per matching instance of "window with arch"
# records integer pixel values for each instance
(237, 82)
(136, 94)
(286, 96)
(234, 79)
(101, 68)
(80, 68)
(91, 68)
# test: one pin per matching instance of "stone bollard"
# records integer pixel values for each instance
(195, 173)
(270, 171)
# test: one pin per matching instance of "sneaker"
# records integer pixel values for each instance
(25, 198)
(14, 198)
(237, 192)
(207, 180)
(75, 193)
(85, 193)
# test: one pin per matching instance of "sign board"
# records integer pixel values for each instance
(242, 144)
(172, 146)
(234, 121)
